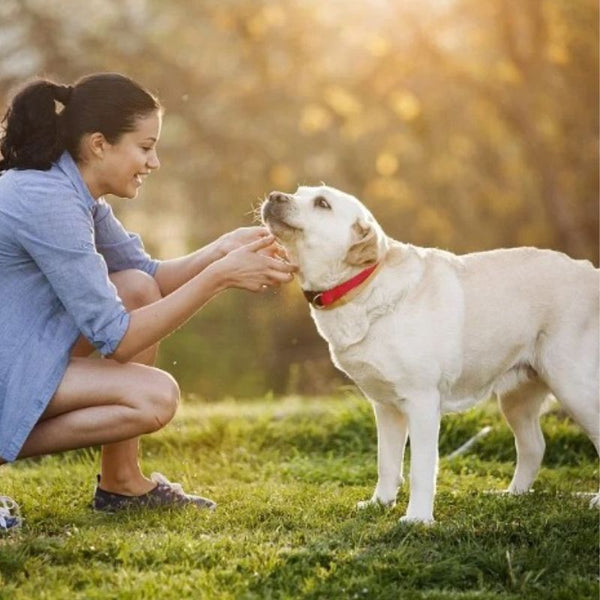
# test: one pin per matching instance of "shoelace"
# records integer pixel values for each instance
(160, 478)
(10, 515)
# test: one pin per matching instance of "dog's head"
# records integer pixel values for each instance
(329, 234)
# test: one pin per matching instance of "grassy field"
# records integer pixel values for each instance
(287, 475)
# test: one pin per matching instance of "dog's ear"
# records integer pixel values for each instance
(364, 250)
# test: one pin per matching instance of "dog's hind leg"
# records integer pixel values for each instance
(521, 408)
(583, 407)
(571, 372)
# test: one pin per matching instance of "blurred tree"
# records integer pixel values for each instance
(462, 124)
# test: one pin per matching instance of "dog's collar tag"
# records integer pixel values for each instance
(330, 298)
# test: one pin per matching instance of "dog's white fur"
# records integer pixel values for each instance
(434, 332)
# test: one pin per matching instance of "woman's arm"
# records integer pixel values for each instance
(172, 274)
(245, 268)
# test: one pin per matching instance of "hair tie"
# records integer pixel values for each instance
(63, 93)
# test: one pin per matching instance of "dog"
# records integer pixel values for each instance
(424, 332)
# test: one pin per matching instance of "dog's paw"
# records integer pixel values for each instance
(518, 491)
(595, 502)
(417, 520)
(375, 502)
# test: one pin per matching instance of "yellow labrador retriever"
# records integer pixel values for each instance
(423, 332)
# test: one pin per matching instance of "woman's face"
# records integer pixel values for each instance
(126, 163)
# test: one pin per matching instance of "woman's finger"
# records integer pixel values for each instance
(260, 243)
(276, 250)
(255, 232)
(281, 265)
(259, 230)
(281, 251)
(279, 277)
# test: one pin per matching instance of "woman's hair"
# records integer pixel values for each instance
(36, 133)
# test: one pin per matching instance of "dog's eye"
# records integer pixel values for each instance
(320, 202)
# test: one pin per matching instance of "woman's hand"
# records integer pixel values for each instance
(237, 238)
(243, 236)
(254, 266)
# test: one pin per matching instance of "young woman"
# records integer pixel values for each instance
(72, 280)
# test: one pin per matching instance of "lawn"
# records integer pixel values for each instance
(287, 474)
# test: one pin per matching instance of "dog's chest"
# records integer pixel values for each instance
(376, 373)
(371, 378)
(380, 359)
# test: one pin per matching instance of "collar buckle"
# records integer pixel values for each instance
(317, 301)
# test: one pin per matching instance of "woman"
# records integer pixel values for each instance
(72, 281)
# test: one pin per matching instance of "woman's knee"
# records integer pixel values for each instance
(136, 288)
(160, 400)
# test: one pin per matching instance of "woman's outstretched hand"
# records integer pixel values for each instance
(240, 237)
(255, 265)
(246, 235)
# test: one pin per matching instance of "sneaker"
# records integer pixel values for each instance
(166, 493)
(10, 517)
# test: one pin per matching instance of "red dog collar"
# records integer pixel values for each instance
(327, 298)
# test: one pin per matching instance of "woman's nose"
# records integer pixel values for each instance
(153, 162)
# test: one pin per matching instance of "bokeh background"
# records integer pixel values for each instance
(462, 124)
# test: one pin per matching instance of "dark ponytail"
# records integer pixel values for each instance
(36, 133)
(32, 137)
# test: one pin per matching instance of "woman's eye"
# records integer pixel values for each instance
(322, 203)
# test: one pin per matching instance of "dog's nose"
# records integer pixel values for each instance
(277, 197)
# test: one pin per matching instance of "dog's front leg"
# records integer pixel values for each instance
(423, 412)
(391, 440)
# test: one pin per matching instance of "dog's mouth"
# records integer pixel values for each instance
(271, 213)
(278, 227)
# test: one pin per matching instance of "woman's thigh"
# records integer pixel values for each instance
(96, 382)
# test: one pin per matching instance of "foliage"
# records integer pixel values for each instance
(466, 125)
(287, 475)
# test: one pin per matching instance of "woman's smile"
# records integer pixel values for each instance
(139, 178)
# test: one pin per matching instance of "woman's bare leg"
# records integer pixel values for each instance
(120, 468)
(101, 401)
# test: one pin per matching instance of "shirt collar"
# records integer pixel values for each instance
(68, 166)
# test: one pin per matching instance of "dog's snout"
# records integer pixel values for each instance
(277, 197)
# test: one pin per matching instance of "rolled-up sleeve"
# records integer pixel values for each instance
(120, 248)
(61, 242)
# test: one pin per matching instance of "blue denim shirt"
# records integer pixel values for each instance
(57, 247)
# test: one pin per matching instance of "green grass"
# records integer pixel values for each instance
(287, 475)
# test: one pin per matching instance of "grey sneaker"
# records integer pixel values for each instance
(10, 516)
(165, 493)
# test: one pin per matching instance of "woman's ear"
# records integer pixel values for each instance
(93, 145)
(364, 250)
